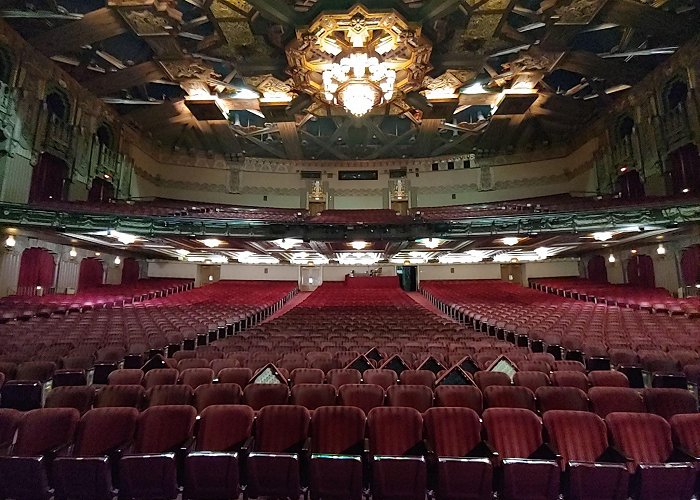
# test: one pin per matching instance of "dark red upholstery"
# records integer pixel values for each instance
(43, 429)
(120, 395)
(217, 394)
(162, 428)
(161, 395)
(608, 378)
(220, 364)
(78, 397)
(240, 376)
(189, 363)
(273, 465)
(363, 396)
(569, 366)
(212, 470)
(561, 398)
(453, 433)
(670, 402)
(337, 430)
(531, 379)
(160, 376)
(394, 430)
(307, 376)
(312, 396)
(467, 396)
(484, 379)
(535, 365)
(126, 376)
(419, 397)
(9, 420)
(258, 396)
(380, 376)
(417, 377)
(104, 429)
(605, 400)
(570, 379)
(341, 376)
(581, 439)
(194, 377)
(498, 396)
(686, 432)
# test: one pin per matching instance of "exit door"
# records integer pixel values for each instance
(408, 277)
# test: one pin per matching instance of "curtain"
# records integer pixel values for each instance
(101, 191)
(91, 273)
(640, 271)
(597, 271)
(47, 179)
(690, 265)
(130, 271)
(36, 268)
(684, 167)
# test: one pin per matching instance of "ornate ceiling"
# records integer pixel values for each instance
(237, 76)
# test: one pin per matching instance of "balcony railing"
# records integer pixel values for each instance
(58, 134)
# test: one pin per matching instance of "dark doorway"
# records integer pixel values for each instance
(408, 277)
(630, 186)
(684, 170)
(47, 179)
(102, 191)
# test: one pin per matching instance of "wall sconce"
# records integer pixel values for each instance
(117, 261)
(10, 242)
(661, 250)
(611, 259)
(73, 254)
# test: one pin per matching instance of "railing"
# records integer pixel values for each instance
(58, 134)
(108, 160)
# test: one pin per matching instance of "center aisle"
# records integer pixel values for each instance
(291, 304)
(421, 300)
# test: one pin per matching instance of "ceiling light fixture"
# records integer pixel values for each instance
(431, 243)
(123, 238)
(542, 252)
(602, 236)
(510, 240)
(287, 243)
(182, 252)
(211, 242)
(359, 245)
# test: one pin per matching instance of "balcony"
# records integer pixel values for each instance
(59, 135)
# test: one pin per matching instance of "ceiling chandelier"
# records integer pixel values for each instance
(358, 60)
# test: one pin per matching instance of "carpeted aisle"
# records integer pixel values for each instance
(421, 300)
(298, 299)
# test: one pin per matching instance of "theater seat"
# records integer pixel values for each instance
(258, 396)
(337, 452)
(341, 376)
(126, 376)
(78, 397)
(670, 402)
(608, 378)
(484, 379)
(419, 397)
(217, 394)
(496, 396)
(605, 400)
(363, 396)
(380, 376)
(467, 396)
(312, 396)
(561, 398)
(531, 379)
(462, 464)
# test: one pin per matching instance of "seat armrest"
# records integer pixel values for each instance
(61, 450)
(482, 450)
(613, 455)
(365, 445)
(545, 452)
(680, 455)
(247, 445)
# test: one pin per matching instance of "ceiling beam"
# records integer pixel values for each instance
(276, 11)
(428, 130)
(124, 79)
(97, 25)
(646, 19)
(436, 8)
(290, 140)
(589, 64)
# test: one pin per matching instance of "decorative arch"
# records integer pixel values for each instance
(48, 177)
(597, 270)
(675, 93)
(130, 271)
(640, 271)
(36, 268)
(625, 126)
(690, 265)
(105, 135)
(57, 104)
(91, 273)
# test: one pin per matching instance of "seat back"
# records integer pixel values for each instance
(670, 402)
(161, 429)
(608, 378)
(160, 376)
(126, 376)
(498, 396)
(337, 430)
(78, 397)
(452, 432)
(312, 396)
(533, 380)
(44, 429)
(417, 377)
(605, 400)
(570, 379)
(561, 398)
(394, 430)
(217, 394)
(342, 376)
(104, 429)
(281, 428)
(419, 397)
(9, 420)
(224, 427)
(363, 396)
(686, 432)
(240, 376)
(259, 395)
(120, 395)
(467, 396)
(484, 379)
(643, 437)
(307, 376)
(576, 435)
(36, 370)
(513, 432)
(194, 377)
(160, 395)
(188, 363)
(569, 365)
(380, 376)
(220, 364)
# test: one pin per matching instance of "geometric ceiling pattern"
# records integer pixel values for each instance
(213, 75)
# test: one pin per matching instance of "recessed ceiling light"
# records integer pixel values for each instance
(211, 242)
(359, 245)
(602, 236)
(510, 240)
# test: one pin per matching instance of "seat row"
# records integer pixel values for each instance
(336, 452)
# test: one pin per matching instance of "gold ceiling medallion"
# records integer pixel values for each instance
(359, 60)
